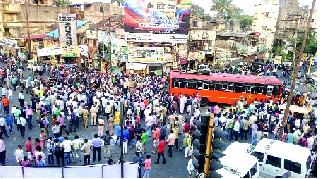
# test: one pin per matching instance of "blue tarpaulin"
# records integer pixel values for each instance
(55, 33)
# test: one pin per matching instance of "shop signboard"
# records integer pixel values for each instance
(157, 16)
(91, 34)
(146, 54)
(84, 50)
(49, 51)
(148, 37)
(70, 51)
(8, 42)
(67, 29)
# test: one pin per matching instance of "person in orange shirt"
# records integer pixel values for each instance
(156, 136)
(5, 104)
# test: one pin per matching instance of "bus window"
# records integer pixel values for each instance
(239, 88)
(274, 161)
(276, 90)
(206, 85)
(292, 166)
(217, 86)
(191, 84)
(175, 83)
(200, 84)
(224, 86)
(229, 87)
(211, 86)
(248, 89)
(269, 90)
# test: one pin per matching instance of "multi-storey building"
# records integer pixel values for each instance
(265, 21)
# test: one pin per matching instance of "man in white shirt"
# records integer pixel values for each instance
(3, 129)
(66, 144)
(21, 123)
(19, 153)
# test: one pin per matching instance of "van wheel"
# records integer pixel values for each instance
(204, 101)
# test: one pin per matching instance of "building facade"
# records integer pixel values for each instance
(265, 20)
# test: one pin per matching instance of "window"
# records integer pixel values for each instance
(178, 83)
(276, 90)
(224, 86)
(252, 172)
(211, 86)
(274, 161)
(259, 156)
(192, 84)
(230, 87)
(206, 85)
(292, 166)
(200, 84)
(239, 88)
(217, 86)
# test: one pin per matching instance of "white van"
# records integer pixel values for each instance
(276, 158)
(239, 165)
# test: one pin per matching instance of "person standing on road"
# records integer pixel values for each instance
(147, 167)
(76, 145)
(190, 167)
(66, 144)
(100, 127)
(107, 137)
(171, 141)
(85, 115)
(29, 115)
(161, 149)
(21, 123)
(3, 129)
(86, 150)
(5, 104)
(2, 151)
(94, 111)
(19, 154)
(96, 144)
(9, 121)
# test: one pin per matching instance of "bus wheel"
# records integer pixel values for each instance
(204, 102)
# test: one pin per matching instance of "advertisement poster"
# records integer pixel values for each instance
(49, 51)
(146, 54)
(157, 16)
(67, 29)
(71, 51)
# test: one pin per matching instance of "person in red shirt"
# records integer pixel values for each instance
(161, 148)
(28, 146)
(186, 128)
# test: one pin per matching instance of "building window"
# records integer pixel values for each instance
(194, 24)
(266, 14)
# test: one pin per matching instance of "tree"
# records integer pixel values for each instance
(197, 10)
(311, 43)
(119, 2)
(62, 3)
(245, 22)
(225, 9)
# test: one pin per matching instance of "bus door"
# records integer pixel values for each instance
(269, 90)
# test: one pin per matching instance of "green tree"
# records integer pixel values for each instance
(225, 9)
(197, 10)
(245, 22)
(311, 43)
(62, 3)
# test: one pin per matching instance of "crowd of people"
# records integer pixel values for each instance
(63, 101)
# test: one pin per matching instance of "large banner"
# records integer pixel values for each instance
(146, 55)
(67, 29)
(157, 16)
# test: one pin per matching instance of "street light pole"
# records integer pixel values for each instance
(122, 114)
(296, 67)
(28, 30)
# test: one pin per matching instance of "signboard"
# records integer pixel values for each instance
(91, 34)
(50, 51)
(70, 51)
(8, 42)
(148, 37)
(157, 16)
(67, 29)
(84, 50)
(146, 54)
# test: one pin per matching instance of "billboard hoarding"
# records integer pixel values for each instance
(157, 16)
(67, 29)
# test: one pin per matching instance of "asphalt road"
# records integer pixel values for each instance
(175, 167)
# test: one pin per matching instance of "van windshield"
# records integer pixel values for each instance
(259, 156)
(292, 166)
(252, 171)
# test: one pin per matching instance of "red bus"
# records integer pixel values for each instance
(226, 88)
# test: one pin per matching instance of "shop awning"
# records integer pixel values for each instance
(136, 66)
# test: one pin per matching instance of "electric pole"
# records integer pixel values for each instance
(296, 67)
(28, 30)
